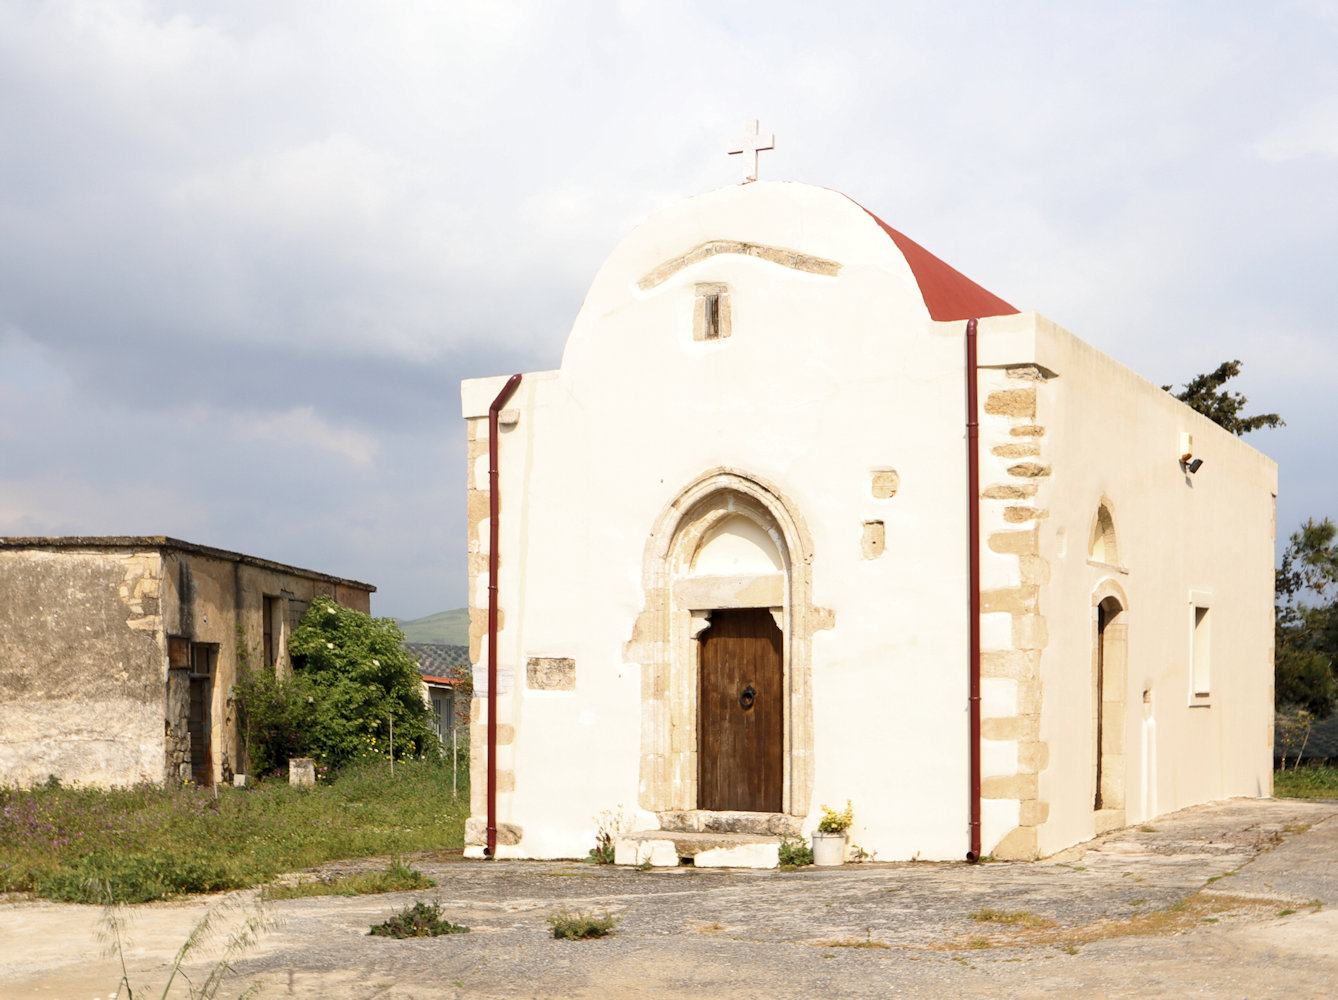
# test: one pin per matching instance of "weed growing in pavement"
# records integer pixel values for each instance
(865, 942)
(1012, 918)
(420, 920)
(395, 877)
(574, 925)
(794, 854)
(609, 826)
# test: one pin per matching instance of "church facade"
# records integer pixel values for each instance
(807, 516)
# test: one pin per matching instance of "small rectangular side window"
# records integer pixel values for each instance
(1200, 654)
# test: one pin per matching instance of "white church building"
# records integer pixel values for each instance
(806, 515)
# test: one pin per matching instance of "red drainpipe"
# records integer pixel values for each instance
(493, 505)
(973, 545)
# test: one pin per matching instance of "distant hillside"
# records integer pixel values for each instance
(445, 628)
(439, 661)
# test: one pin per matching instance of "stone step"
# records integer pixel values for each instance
(670, 848)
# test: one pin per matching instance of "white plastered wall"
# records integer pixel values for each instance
(823, 380)
(1113, 435)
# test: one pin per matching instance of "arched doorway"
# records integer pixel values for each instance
(1109, 681)
(727, 609)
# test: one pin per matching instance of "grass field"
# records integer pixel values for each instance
(1308, 782)
(143, 843)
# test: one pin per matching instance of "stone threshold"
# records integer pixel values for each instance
(702, 849)
(723, 821)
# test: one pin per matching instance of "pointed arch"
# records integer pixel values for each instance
(1102, 541)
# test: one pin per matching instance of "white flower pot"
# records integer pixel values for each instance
(829, 848)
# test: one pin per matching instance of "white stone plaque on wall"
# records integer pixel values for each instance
(506, 680)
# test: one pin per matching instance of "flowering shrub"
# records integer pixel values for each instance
(350, 683)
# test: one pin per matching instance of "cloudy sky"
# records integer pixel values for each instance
(248, 248)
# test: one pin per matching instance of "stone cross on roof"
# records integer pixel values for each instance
(752, 142)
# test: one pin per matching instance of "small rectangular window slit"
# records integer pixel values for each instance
(710, 311)
(1199, 654)
(712, 304)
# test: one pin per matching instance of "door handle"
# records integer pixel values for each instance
(747, 696)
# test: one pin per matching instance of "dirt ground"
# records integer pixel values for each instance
(1234, 900)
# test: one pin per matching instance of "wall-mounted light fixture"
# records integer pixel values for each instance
(1187, 459)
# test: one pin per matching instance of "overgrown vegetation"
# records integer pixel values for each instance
(1306, 638)
(148, 842)
(395, 877)
(354, 693)
(420, 920)
(1311, 781)
(577, 925)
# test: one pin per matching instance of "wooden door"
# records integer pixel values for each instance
(200, 722)
(202, 771)
(739, 716)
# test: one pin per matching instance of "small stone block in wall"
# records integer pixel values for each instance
(885, 484)
(550, 673)
(302, 772)
(874, 539)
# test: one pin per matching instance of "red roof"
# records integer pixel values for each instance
(948, 293)
(446, 681)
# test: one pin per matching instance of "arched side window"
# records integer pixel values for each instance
(1101, 544)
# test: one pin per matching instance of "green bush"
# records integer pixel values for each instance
(350, 682)
(420, 920)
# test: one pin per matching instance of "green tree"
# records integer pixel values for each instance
(1306, 622)
(1204, 394)
(351, 682)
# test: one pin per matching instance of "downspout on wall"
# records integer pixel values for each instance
(490, 850)
(973, 584)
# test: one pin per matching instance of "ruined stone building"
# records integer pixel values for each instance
(806, 515)
(118, 655)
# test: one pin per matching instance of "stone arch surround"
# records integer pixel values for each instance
(664, 643)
